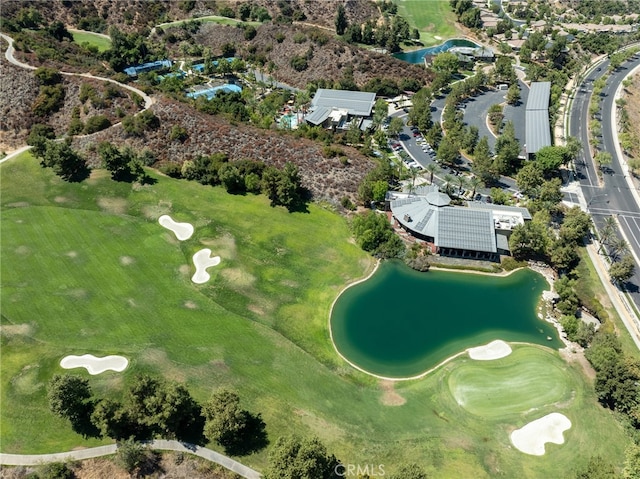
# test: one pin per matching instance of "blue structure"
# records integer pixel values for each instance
(211, 92)
(135, 70)
(417, 56)
(200, 66)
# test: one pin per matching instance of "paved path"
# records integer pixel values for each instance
(10, 56)
(160, 444)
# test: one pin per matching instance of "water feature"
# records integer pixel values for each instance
(417, 56)
(401, 323)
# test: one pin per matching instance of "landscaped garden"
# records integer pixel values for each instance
(87, 269)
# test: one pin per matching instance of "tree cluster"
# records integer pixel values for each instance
(467, 13)
(65, 162)
(282, 186)
(388, 33)
(374, 234)
(152, 408)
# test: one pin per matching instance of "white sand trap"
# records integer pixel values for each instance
(203, 260)
(183, 231)
(95, 365)
(494, 350)
(532, 437)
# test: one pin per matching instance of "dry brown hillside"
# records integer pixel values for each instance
(132, 15)
(327, 179)
(19, 92)
(330, 61)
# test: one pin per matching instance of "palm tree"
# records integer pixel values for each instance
(448, 179)
(619, 247)
(475, 182)
(413, 174)
(607, 231)
(461, 181)
(432, 168)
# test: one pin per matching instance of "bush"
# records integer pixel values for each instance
(131, 455)
(299, 63)
(56, 470)
(347, 204)
(299, 38)
(49, 99)
(174, 170)
(96, 123)
(227, 12)
(250, 32)
(179, 133)
(40, 132)
(280, 37)
(509, 263)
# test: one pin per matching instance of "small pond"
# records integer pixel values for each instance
(401, 323)
(417, 56)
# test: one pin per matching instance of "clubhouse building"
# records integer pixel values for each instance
(339, 109)
(477, 231)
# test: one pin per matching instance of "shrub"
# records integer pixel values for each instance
(509, 263)
(179, 133)
(250, 32)
(56, 470)
(173, 170)
(96, 123)
(227, 11)
(280, 37)
(299, 63)
(49, 99)
(299, 38)
(347, 204)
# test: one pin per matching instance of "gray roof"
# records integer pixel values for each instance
(539, 96)
(465, 228)
(318, 116)
(438, 199)
(502, 241)
(355, 102)
(478, 205)
(537, 130)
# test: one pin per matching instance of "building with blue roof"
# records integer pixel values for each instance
(136, 70)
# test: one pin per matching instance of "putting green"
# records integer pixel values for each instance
(528, 379)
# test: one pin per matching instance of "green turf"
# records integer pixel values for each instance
(210, 19)
(521, 382)
(86, 268)
(98, 41)
(433, 18)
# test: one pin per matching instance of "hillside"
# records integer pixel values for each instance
(326, 178)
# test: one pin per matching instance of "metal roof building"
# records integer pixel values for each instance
(359, 103)
(478, 231)
(537, 128)
(135, 70)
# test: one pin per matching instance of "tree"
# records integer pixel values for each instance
(374, 234)
(447, 151)
(341, 21)
(122, 163)
(507, 150)
(482, 163)
(432, 169)
(131, 455)
(446, 64)
(64, 161)
(395, 126)
(528, 240)
(380, 111)
(235, 429)
(112, 419)
(529, 179)
(513, 94)
(549, 158)
(475, 182)
(607, 231)
(292, 457)
(603, 159)
(575, 226)
(622, 270)
(58, 31)
(69, 398)
(447, 181)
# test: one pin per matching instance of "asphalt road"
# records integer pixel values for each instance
(614, 197)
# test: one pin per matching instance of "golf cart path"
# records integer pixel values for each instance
(10, 56)
(161, 444)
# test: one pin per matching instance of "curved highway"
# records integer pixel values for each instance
(614, 196)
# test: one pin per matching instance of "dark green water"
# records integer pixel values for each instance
(402, 322)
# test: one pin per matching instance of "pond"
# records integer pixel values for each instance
(417, 56)
(401, 323)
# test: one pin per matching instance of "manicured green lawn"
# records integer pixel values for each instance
(100, 42)
(211, 19)
(433, 18)
(86, 268)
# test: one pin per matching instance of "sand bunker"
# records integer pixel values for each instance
(494, 350)
(95, 365)
(183, 231)
(203, 260)
(532, 437)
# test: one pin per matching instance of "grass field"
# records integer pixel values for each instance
(86, 268)
(100, 42)
(433, 18)
(210, 19)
